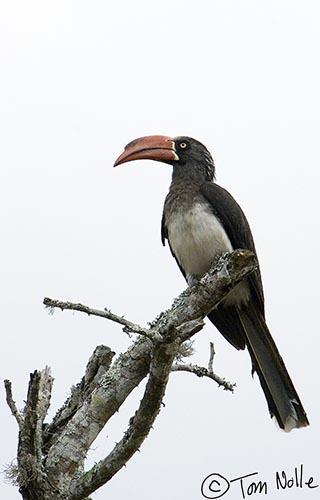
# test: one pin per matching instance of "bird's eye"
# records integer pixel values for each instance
(183, 145)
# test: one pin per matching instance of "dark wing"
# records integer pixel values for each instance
(237, 228)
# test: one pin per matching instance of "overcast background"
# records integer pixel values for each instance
(79, 80)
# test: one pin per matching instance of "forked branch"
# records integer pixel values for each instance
(55, 452)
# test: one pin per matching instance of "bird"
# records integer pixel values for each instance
(201, 221)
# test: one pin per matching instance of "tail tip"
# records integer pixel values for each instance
(295, 421)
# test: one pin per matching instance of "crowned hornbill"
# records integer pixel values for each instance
(201, 221)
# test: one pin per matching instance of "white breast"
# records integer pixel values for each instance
(197, 238)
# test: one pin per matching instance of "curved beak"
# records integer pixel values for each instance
(152, 147)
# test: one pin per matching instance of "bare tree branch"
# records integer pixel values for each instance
(77, 436)
(30, 463)
(210, 362)
(70, 449)
(200, 371)
(139, 428)
(11, 403)
(51, 456)
(99, 363)
(129, 327)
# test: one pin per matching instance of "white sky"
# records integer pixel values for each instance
(78, 81)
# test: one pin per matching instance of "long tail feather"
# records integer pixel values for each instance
(283, 400)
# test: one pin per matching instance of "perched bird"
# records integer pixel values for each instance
(201, 221)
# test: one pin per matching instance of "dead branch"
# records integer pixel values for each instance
(51, 456)
(129, 327)
(11, 403)
(210, 362)
(139, 428)
(200, 371)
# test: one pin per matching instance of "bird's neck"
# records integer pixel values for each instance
(193, 171)
(183, 192)
(187, 174)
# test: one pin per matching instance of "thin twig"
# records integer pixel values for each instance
(210, 362)
(200, 371)
(129, 327)
(11, 403)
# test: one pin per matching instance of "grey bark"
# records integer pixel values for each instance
(51, 456)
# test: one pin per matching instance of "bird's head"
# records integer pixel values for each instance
(188, 156)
